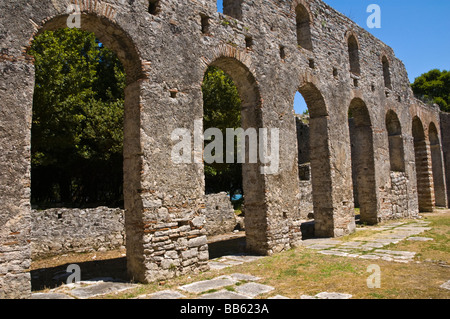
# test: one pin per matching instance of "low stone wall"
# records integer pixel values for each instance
(306, 206)
(61, 230)
(399, 195)
(219, 214)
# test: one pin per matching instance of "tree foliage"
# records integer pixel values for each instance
(77, 131)
(434, 86)
(222, 110)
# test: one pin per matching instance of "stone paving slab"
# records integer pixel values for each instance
(321, 246)
(244, 277)
(223, 294)
(91, 288)
(99, 289)
(231, 260)
(278, 297)
(373, 245)
(167, 294)
(243, 258)
(396, 253)
(420, 239)
(371, 248)
(333, 295)
(353, 244)
(320, 241)
(253, 289)
(327, 295)
(50, 295)
(216, 265)
(370, 257)
(446, 285)
(205, 285)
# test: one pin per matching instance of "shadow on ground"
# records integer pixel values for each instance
(235, 246)
(53, 277)
(56, 276)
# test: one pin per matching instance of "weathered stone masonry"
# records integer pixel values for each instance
(59, 231)
(271, 49)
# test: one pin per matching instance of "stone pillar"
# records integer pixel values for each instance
(16, 95)
(424, 175)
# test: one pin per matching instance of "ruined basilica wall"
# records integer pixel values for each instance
(165, 54)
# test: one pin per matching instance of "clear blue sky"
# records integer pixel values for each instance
(418, 31)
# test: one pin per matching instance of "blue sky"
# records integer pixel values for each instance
(418, 31)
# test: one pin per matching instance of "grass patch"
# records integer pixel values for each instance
(303, 271)
(437, 250)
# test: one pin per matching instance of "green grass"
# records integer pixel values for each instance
(303, 271)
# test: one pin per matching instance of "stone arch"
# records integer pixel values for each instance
(363, 165)
(437, 166)
(252, 180)
(424, 181)
(110, 33)
(395, 140)
(353, 52)
(116, 39)
(320, 159)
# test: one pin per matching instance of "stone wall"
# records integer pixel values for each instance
(399, 195)
(61, 230)
(71, 230)
(219, 214)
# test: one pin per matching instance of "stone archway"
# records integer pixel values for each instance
(437, 167)
(424, 181)
(395, 140)
(252, 180)
(363, 166)
(112, 36)
(320, 161)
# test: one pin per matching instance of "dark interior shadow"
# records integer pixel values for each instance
(234, 246)
(53, 277)
(307, 228)
(56, 276)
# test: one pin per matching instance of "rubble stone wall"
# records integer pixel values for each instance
(59, 231)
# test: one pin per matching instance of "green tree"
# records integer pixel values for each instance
(434, 86)
(222, 110)
(77, 131)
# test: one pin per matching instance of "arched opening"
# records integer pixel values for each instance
(223, 179)
(303, 27)
(437, 167)
(422, 167)
(363, 166)
(306, 207)
(314, 162)
(115, 39)
(77, 131)
(248, 118)
(353, 52)
(386, 73)
(395, 138)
